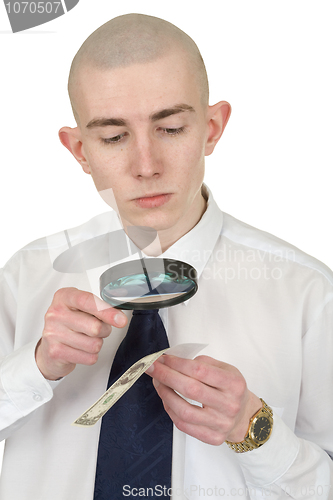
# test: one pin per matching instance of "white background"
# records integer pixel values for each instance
(272, 60)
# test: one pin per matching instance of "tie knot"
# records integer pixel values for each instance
(145, 311)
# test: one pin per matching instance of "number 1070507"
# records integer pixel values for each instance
(32, 7)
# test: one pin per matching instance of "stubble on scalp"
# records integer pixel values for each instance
(134, 39)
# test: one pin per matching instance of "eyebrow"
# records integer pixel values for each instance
(164, 113)
(159, 115)
(106, 122)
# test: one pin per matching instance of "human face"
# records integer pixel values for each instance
(143, 130)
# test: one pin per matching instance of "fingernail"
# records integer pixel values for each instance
(120, 319)
(150, 369)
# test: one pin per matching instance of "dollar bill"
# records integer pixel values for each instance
(115, 392)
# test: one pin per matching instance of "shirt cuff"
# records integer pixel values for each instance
(264, 465)
(22, 381)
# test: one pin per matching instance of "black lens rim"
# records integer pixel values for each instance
(133, 267)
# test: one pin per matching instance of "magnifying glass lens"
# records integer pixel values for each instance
(150, 288)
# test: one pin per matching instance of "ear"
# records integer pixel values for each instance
(71, 139)
(217, 119)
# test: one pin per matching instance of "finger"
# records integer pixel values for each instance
(189, 387)
(77, 321)
(201, 423)
(75, 340)
(188, 412)
(89, 303)
(62, 355)
(202, 433)
(207, 370)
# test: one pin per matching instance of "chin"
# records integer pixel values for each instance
(157, 221)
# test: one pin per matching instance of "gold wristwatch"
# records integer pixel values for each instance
(259, 431)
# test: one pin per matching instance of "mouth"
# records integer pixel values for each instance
(153, 200)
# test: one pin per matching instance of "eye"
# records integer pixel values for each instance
(173, 131)
(114, 140)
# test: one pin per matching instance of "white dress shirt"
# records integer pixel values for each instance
(262, 305)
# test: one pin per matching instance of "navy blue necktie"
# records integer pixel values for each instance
(135, 444)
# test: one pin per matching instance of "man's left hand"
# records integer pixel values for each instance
(227, 404)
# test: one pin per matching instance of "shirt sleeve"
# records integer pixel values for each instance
(23, 388)
(287, 467)
(297, 463)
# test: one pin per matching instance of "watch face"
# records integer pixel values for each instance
(261, 429)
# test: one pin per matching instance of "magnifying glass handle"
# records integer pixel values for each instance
(145, 270)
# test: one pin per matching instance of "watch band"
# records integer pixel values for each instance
(248, 444)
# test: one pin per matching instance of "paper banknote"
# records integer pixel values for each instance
(110, 397)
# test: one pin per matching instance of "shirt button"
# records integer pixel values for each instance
(37, 397)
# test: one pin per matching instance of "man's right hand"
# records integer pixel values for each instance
(75, 325)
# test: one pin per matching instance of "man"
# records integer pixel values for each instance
(139, 93)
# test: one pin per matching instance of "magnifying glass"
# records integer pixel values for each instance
(145, 283)
(151, 283)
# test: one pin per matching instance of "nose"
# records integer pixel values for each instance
(146, 159)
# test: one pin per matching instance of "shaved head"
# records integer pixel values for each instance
(135, 39)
